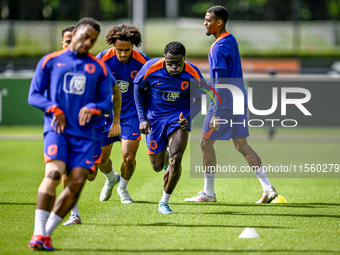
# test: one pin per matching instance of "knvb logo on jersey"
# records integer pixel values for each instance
(74, 83)
(184, 85)
(134, 74)
(90, 68)
(239, 103)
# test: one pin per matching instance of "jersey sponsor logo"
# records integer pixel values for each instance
(170, 96)
(160, 83)
(153, 145)
(52, 149)
(123, 86)
(90, 68)
(135, 133)
(89, 162)
(74, 83)
(184, 85)
(61, 64)
(134, 74)
(113, 72)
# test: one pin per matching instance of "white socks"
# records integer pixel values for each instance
(262, 176)
(110, 176)
(75, 210)
(123, 183)
(40, 219)
(165, 198)
(209, 180)
(53, 221)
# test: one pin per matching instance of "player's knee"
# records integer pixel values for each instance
(50, 183)
(54, 175)
(204, 145)
(157, 167)
(129, 160)
(92, 176)
(243, 148)
(175, 160)
(53, 178)
(76, 185)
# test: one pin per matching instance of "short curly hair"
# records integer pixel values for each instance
(174, 48)
(124, 32)
(220, 12)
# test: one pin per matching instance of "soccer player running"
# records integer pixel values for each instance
(162, 96)
(99, 129)
(124, 63)
(225, 63)
(70, 86)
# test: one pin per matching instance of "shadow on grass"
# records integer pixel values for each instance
(275, 214)
(13, 203)
(298, 205)
(197, 251)
(169, 224)
(144, 202)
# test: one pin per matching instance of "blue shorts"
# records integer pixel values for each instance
(129, 131)
(97, 146)
(236, 126)
(161, 129)
(74, 151)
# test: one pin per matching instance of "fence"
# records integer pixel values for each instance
(276, 38)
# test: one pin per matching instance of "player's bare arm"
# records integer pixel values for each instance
(115, 128)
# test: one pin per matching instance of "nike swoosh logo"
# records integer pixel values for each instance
(160, 83)
(135, 133)
(88, 162)
(113, 73)
(61, 64)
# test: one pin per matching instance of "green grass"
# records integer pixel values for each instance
(308, 224)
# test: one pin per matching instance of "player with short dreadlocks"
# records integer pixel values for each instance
(162, 96)
(124, 63)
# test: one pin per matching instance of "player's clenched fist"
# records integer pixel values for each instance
(183, 122)
(145, 127)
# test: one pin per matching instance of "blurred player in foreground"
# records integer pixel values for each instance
(162, 96)
(70, 86)
(225, 63)
(124, 63)
(99, 129)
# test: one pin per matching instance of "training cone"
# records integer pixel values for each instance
(279, 200)
(249, 233)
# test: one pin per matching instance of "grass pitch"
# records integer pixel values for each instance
(308, 224)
